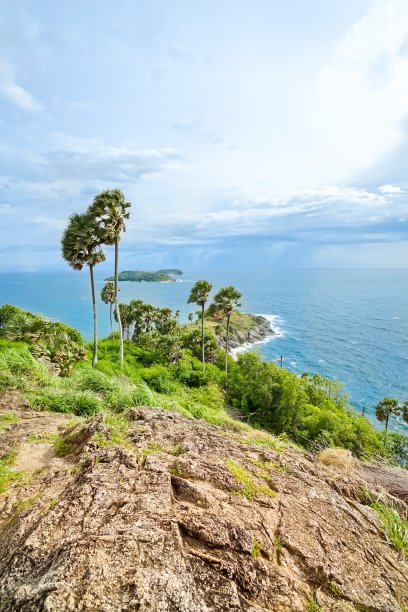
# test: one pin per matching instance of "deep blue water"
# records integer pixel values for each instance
(346, 324)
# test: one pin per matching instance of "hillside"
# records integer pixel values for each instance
(150, 510)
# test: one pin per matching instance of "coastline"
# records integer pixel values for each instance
(265, 330)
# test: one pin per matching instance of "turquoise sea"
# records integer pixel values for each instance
(346, 324)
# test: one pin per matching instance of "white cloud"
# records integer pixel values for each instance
(390, 189)
(14, 92)
(363, 91)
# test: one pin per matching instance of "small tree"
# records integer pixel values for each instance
(108, 297)
(81, 245)
(110, 212)
(404, 411)
(226, 300)
(199, 295)
(191, 317)
(384, 409)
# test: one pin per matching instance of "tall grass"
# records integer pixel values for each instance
(395, 527)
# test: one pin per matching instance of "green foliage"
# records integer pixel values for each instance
(145, 277)
(395, 526)
(312, 605)
(8, 475)
(118, 427)
(62, 446)
(248, 487)
(311, 410)
(83, 403)
(18, 368)
(385, 408)
(8, 417)
(61, 344)
(256, 548)
(397, 448)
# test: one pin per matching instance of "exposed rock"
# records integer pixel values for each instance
(260, 330)
(167, 526)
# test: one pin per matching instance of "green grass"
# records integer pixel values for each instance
(248, 487)
(152, 448)
(312, 605)
(256, 548)
(21, 505)
(395, 527)
(82, 403)
(9, 417)
(268, 465)
(118, 429)
(8, 475)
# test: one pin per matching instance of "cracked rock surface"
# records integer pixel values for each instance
(192, 518)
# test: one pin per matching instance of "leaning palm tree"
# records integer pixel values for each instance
(110, 212)
(81, 246)
(199, 295)
(384, 409)
(108, 297)
(224, 302)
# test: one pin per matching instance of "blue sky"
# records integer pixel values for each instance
(244, 133)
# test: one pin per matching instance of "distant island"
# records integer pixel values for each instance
(140, 276)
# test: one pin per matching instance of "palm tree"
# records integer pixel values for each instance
(199, 295)
(224, 302)
(81, 245)
(108, 297)
(110, 212)
(384, 409)
(404, 411)
(191, 317)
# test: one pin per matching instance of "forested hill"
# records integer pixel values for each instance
(141, 276)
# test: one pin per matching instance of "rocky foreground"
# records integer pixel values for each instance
(187, 518)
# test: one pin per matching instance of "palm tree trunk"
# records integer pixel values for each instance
(227, 350)
(95, 346)
(117, 303)
(110, 317)
(202, 337)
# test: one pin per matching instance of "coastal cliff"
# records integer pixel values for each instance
(245, 329)
(180, 515)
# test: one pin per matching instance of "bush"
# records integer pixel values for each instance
(18, 368)
(82, 403)
(159, 378)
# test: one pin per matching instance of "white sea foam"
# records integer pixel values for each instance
(277, 333)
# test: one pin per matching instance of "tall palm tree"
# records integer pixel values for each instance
(110, 212)
(384, 409)
(225, 301)
(108, 297)
(81, 246)
(199, 295)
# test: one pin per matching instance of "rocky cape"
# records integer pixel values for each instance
(188, 517)
(257, 330)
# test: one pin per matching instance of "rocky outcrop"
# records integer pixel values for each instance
(192, 518)
(259, 330)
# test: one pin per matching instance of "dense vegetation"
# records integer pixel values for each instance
(310, 410)
(146, 277)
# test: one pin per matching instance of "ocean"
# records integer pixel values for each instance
(351, 325)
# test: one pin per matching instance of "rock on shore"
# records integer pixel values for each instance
(259, 329)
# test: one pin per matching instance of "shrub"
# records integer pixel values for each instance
(82, 403)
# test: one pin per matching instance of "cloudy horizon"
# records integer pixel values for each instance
(241, 132)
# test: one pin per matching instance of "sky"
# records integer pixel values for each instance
(243, 132)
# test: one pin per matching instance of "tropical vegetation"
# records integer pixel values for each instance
(163, 367)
